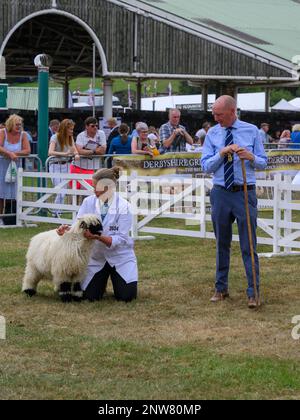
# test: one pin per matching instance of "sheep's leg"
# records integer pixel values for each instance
(30, 280)
(77, 293)
(65, 291)
(63, 285)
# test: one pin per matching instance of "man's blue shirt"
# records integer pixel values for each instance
(244, 135)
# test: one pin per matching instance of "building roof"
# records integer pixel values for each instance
(214, 42)
(271, 26)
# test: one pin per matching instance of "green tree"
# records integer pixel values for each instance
(186, 89)
(278, 94)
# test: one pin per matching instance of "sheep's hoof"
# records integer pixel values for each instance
(77, 298)
(30, 292)
(77, 293)
(66, 297)
(65, 292)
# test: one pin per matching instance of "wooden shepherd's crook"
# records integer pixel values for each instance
(249, 231)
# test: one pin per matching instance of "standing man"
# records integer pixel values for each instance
(265, 137)
(201, 134)
(114, 131)
(225, 145)
(53, 128)
(173, 135)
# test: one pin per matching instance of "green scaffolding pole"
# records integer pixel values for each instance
(43, 111)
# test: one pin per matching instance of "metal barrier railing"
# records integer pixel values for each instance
(8, 190)
(66, 165)
(281, 145)
(91, 163)
(61, 196)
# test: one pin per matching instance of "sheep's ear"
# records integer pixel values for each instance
(83, 225)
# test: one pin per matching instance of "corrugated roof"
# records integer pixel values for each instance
(27, 98)
(269, 25)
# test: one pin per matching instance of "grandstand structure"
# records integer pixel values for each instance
(203, 42)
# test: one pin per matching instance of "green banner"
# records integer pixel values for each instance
(283, 160)
(3, 96)
(190, 163)
(167, 164)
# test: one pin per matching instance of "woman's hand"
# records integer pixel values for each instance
(62, 229)
(77, 156)
(12, 155)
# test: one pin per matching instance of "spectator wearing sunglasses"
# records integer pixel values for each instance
(89, 143)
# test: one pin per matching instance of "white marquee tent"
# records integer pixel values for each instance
(295, 102)
(284, 105)
(246, 101)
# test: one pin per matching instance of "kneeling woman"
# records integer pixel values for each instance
(113, 254)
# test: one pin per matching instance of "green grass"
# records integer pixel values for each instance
(171, 343)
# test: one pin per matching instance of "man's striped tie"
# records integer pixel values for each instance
(228, 163)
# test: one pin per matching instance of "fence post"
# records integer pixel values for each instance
(19, 197)
(202, 207)
(74, 200)
(133, 194)
(276, 213)
(287, 196)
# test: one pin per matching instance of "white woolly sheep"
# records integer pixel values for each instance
(62, 259)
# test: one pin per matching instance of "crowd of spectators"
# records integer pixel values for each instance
(76, 153)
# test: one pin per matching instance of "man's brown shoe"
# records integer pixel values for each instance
(219, 296)
(252, 304)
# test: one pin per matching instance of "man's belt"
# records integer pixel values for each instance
(236, 188)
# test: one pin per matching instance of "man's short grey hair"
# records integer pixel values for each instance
(112, 120)
(174, 110)
(54, 122)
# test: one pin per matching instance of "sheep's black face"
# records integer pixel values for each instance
(96, 229)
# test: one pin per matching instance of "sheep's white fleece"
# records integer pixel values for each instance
(59, 258)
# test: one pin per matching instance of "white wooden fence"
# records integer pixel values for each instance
(184, 201)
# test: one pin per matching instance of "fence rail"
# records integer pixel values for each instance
(178, 199)
(92, 162)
